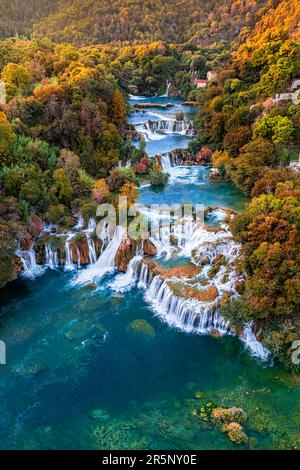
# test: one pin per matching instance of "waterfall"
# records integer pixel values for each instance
(192, 237)
(69, 265)
(187, 314)
(105, 262)
(170, 126)
(90, 242)
(253, 345)
(144, 276)
(51, 257)
(194, 242)
(167, 94)
(125, 281)
(80, 223)
(92, 250)
(30, 266)
(165, 163)
(91, 225)
(78, 257)
(28, 259)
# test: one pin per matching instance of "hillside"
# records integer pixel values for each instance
(18, 16)
(141, 21)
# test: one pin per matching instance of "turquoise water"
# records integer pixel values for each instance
(159, 143)
(78, 377)
(70, 352)
(192, 184)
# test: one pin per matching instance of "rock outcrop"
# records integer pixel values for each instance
(124, 254)
(149, 248)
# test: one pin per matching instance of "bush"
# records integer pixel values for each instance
(118, 177)
(55, 214)
(158, 178)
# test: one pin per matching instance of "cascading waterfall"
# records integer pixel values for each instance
(80, 223)
(30, 266)
(168, 85)
(28, 259)
(105, 262)
(124, 282)
(189, 315)
(107, 258)
(253, 345)
(166, 163)
(92, 250)
(143, 276)
(186, 314)
(51, 257)
(90, 242)
(169, 126)
(191, 237)
(69, 265)
(78, 257)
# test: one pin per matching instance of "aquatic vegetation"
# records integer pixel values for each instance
(229, 415)
(119, 436)
(205, 411)
(235, 433)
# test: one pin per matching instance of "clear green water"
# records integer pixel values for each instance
(78, 378)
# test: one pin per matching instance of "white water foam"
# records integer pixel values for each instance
(106, 261)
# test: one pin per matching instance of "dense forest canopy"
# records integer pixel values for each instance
(17, 16)
(103, 21)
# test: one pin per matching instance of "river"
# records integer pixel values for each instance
(81, 375)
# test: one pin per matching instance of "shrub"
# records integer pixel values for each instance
(118, 177)
(158, 178)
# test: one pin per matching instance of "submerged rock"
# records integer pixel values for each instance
(199, 394)
(99, 414)
(141, 327)
(32, 369)
(47, 429)
(149, 248)
(91, 286)
(215, 334)
(100, 330)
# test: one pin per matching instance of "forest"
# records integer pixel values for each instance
(132, 21)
